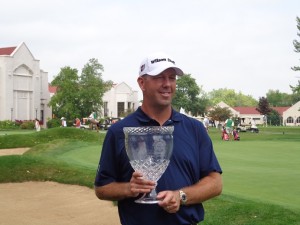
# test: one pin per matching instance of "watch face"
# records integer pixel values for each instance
(183, 197)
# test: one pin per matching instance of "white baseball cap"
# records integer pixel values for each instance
(156, 63)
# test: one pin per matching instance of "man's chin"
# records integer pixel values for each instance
(165, 103)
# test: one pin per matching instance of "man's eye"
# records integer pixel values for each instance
(163, 78)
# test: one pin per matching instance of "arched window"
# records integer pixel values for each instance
(298, 120)
(290, 120)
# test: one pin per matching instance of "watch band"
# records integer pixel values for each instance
(183, 197)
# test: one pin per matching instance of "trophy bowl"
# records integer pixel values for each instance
(149, 150)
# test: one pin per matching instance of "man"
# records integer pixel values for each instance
(229, 127)
(265, 120)
(193, 174)
(94, 122)
(206, 123)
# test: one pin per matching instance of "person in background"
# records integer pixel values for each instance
(252, 122)
(265, 120)
(77, 123)
(94, 121)
(193, 174)
(37, 125)
(63, 122)
(206, 123)
(229, 127)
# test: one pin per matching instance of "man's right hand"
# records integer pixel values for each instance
(140, 185)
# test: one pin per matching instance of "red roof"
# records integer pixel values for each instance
(246, 110)
(52, 89)
(252, 110)
(7, 51)
(280, 110)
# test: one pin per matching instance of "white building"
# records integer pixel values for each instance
(291, 117)
(24, 91)
(119, 100)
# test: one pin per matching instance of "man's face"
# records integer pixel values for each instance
(159, 90)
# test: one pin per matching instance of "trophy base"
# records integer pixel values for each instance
(146, 201)
(149, 198)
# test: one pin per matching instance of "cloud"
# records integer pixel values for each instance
(241, 45)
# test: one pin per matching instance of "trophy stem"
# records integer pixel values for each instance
(148, 198)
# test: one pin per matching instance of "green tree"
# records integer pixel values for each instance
(274, 118)
(78, 96)
(297, 44)
(230, 97)
(277, 98)
(263, 106)
(296, 92)
(189, 96)
(64, 102)
(92, 88)
(219, 114)
(296, 89)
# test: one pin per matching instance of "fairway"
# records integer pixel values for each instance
(82, 154)
(260, 173)
(266, 171)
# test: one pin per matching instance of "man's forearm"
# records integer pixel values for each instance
(114, 191)
(208, 187)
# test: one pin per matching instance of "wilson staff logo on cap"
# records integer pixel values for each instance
(156, 63)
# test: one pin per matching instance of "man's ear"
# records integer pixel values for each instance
(141, 83)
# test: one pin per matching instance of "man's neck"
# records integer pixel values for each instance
(160, 114)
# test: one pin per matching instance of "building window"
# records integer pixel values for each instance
(121, 108)
(298, 120)
(105, 109)
(42, 117)
(290, 120)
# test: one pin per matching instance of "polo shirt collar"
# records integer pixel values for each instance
(144, 118)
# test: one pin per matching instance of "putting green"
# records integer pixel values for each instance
(266, 171)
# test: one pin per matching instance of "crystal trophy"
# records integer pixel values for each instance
(149, 150)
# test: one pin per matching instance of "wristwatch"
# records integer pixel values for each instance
(183, 197)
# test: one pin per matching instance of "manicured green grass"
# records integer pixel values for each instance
(261, 172)
(48, 157)
(30, 139)
(230, 210)
(262, 167)
(18, 131)
(73, 152)
(266, 171)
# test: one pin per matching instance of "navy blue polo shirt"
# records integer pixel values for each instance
(192, 159)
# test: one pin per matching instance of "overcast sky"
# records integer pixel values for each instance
(245, 45)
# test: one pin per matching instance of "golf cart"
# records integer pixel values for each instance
(244, 128)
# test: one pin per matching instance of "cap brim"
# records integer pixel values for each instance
(157, 71)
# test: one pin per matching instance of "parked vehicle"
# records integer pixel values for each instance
(84, 126)
(244, 128)
(241, 128)
(253, 129)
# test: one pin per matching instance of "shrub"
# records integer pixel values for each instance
(7, 124)
(18, 122)
(54, 123)
(70, 123)
(27, 125)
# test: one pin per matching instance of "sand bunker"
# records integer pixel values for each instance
(50, 203)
